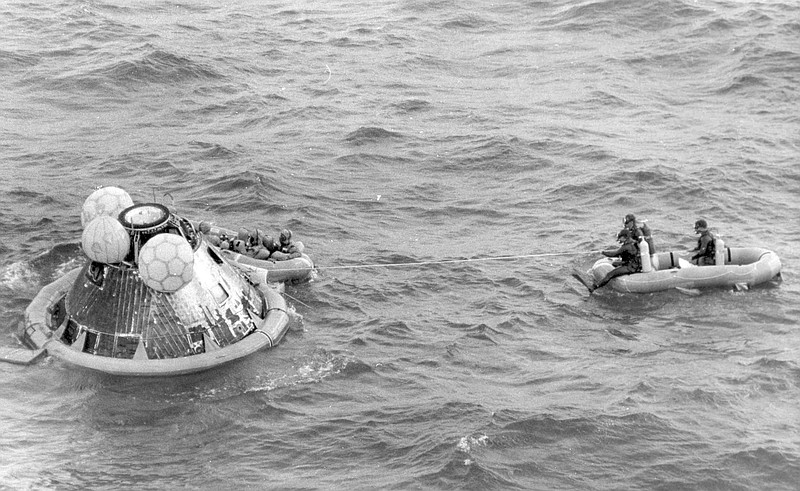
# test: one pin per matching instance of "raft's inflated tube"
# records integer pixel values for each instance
(665, 261)
(644, 253)
(744, 265)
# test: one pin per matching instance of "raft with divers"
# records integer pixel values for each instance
(155, 298)
(737, 267)
(284, 259)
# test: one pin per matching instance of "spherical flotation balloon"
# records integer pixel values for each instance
(166, 263)
(105, 240)
(108, 201)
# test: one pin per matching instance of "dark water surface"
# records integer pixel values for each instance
(407, 132)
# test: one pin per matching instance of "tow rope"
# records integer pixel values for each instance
(453, 261)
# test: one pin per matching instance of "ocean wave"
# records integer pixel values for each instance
(413, 105)
(468, 474)
(770, 375)
(469, 22)
(19, 277)
(246, 191)
(762, 467)
(365, 135)
(655, 16)
(157, 66)
(11, 60)
(212, 151)
(386, 333)
(145, 66)
(742, 83)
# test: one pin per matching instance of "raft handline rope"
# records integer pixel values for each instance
(451, 261)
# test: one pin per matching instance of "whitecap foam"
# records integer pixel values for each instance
(467, 443)
(18, 276)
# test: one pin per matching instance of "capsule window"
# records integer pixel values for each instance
(216, 257)
(96, 273)
(58, 312)
(70, 332)
(126, 346)
(219, 293)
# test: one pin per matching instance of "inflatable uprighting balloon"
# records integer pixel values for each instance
(166, 263)
(105, 240)
(108, 201)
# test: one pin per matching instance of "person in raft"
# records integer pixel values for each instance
(288, 248)
(705, 250)
(256, 244)
(220, 240)
(629, 259)
(639, 229)
(264, 245)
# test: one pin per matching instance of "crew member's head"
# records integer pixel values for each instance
(700, 226)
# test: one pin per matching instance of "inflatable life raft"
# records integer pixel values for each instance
(154, 298)
(293, 270)
(742, 266)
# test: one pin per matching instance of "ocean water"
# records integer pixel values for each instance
(448, 165)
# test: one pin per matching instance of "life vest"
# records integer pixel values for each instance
(710, 249)
(642, 230)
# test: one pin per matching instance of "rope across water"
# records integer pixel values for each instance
(453, 261)
(445, 261)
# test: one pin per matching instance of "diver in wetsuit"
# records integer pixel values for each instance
(288, 248)
(629, 259)
(640, 229)
(706, 249)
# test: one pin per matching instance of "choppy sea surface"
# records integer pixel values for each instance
(422, 135)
